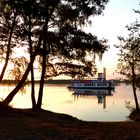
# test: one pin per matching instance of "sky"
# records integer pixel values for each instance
(109, 25)
(117, 14)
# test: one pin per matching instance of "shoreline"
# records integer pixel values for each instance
(51, 81)
(46, 125)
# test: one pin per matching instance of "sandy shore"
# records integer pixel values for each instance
(45, 125)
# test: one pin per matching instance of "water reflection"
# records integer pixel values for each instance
(90, 93)
(94, 105)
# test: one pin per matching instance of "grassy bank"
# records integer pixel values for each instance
(20, 124)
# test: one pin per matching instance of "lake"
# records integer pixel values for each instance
(94, 106)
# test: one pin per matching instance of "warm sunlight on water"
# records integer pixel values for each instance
(58, 98)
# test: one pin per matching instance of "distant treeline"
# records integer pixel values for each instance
(58, 81)
(61, 81)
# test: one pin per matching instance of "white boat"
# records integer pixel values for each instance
(99, 83)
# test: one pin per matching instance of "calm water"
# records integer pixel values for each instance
(100, 106)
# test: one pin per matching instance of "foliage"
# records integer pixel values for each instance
(129, 106)
(65, 40)
(53, 30)
(130, 52)
(74, 56)
(19, 68)
(129, 62)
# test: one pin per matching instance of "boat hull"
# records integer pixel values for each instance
(109, 88)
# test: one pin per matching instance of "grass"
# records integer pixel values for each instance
(25, 124)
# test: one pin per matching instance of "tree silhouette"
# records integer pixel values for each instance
(8, 17)
(53, 30)
(129, 61)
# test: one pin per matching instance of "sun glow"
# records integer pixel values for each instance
(110, 25)
(109, 61)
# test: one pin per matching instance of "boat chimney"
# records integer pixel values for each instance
(100, 76)
(104, 73)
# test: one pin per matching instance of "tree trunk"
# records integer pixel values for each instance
(11, 95)
(135, 97)
(44, 54)
(4, 67)
(8, 49)
(32, 81)
(33, 89)
(134, 88)
(39, 102)
(32, 68)
(9, 98)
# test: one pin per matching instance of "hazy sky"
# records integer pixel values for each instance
(117, 14)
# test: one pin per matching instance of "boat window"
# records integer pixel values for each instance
(102, 84)
(89, 84)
